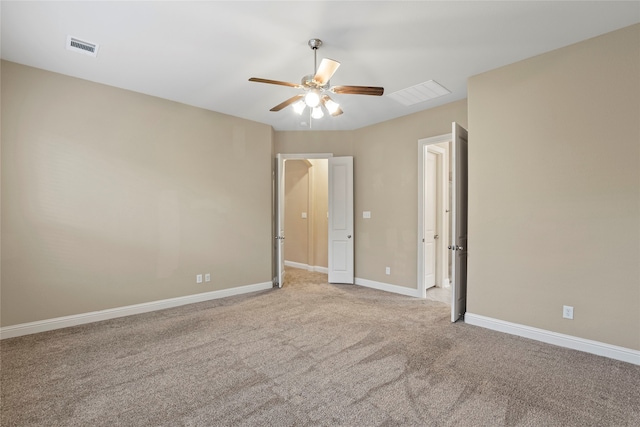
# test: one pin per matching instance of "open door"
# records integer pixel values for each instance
(341, 239)
(459, 163)
(279, 226)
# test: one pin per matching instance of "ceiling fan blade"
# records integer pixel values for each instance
(325, 71)
(274, 82)
(287, 103)
(358, 90)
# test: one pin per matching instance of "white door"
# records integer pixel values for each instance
(459, 222)
(430, 220)
(341, 220)
(279, 227)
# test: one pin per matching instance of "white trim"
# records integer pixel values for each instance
(307, 267)
(112, 313)
(388, 287)
(594, 347)
(305, 156)
(299, 265)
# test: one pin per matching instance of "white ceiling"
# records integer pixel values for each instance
(202, 53)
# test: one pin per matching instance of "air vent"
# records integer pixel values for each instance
(420, 93)
(82, 46)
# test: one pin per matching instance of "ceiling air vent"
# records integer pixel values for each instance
(419, 93)
(82, 46)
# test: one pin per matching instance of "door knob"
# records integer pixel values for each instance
(349, 236)
(435, 237)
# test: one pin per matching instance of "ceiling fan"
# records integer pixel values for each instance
(316, 88)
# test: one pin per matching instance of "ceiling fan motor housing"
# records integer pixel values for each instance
(309, 82)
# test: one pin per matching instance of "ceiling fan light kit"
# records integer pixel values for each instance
(317, 113)
(299, 107)
(312, 98)
(316, 88)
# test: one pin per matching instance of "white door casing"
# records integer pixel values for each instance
(341, 236)
(459, 153)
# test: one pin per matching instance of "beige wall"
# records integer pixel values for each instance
(296, 202)
(112, 198)
(554, 190)
(340, 143)
(319, 209)
(385, 183)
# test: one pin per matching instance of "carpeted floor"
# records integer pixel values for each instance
(310, 353)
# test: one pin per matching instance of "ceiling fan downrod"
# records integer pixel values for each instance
(314, 44)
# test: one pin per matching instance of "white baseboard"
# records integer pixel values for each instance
(307, 267)
(387, 287)
(299, 265)
(562, 340)
(96, 316)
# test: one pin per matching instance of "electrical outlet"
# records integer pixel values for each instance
(567, 312)
(387, 270)
(199, 278)
(207, 277)
(366, 214)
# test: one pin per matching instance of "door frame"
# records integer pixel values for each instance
(278, 217)
(424, 145)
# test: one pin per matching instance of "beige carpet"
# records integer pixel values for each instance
(308, 354)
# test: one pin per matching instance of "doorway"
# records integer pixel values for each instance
(340, 217)
(442, 216)
(306, 214)
(436, 218)
(434, 229)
